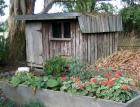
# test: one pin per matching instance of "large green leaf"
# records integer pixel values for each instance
(51, 83)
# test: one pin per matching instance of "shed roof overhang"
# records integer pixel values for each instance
(52, 16)
(89, 23)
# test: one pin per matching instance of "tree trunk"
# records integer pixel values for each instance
(17, 28)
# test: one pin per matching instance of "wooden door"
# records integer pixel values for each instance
(34, 48)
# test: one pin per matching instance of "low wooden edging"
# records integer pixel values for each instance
(49, 98)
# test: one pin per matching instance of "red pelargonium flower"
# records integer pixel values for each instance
(94, 80)
(117, 74)
(104, 82)
(111, 81)
(80, 87)
(87, 82)
(77, 79)
(125, 87)
(63, 78)
(106, 75)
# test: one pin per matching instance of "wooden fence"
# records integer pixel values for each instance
(129, 41)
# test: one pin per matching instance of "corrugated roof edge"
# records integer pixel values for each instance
(48, 16)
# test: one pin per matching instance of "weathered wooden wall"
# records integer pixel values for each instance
(70, 48)
(99, 45)
(86, 47)
(99, 23)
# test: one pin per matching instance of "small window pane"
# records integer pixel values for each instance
(56, 30)
(67, 30)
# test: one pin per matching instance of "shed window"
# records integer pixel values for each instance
(56, 30)
(61, 30)
(66, 26)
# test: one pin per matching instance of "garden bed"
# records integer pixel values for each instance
(49, 98)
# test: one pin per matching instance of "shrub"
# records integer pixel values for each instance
(131, 16)
(55, 66)
(3, 49)
(59, 66)
(110, 86)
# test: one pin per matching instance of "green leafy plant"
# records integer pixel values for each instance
(55, 66)
(59, 66)
(3, 49)
(79, 5)
(75, 68)
(131, 16)
(105, 8)
(110, 86)
(35, 82)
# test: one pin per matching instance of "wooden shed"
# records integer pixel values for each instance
(84, 37)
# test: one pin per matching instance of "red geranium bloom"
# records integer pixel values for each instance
(110, 81)
(104, 82)
(80, 87)
(63, 78)
(117, 74)
(124, 86)
(77, 79)
(106, 75)
(87, 82)
(94, 80)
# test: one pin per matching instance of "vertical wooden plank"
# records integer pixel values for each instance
(105, 45)
(77, 42)
(96, 48)
(50, 42)
(113, 42)
(116, 41)
(46, 41)
(86, 47)
(73, 26)
(70, 48)
(80, 43)
(111, 35)
(54, 48)
(29, 43)
(83, 48)
(89, 37)
(92, 49)
(67, 44)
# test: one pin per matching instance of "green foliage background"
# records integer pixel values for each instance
(2, 6)
(131, 18)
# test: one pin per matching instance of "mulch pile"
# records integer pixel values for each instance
(126, 61)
